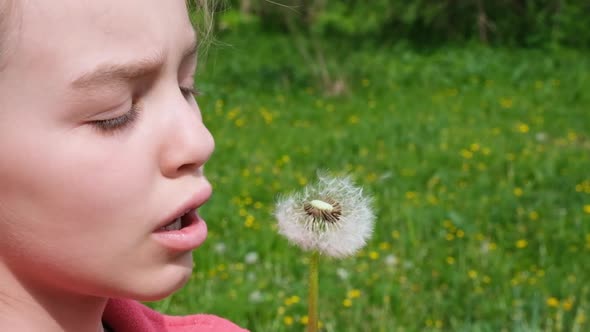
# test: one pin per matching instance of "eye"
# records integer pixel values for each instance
(118, 123)
(189, 91)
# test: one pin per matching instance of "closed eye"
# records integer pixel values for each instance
(117, 123)
(188, 91)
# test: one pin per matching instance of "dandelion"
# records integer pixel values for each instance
(219, 247)
(391, 260)
(541, 137)
(506, 102)
(251, 258)
(256, 296)
(353, 119)
(342, 273)
(466, 154)
(568, 304)
(384, 246)
(347, 303)
(288, 320)
(523, 128)
(552, 302)
(331, 217)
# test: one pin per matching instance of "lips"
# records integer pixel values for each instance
(180, 215)
(183, 230)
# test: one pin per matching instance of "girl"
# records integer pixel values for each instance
(102, 148)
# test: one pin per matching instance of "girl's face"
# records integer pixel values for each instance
(101, 144)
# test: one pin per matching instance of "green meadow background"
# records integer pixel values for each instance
(478, 159)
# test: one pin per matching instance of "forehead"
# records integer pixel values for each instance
(112, 17)
(77, 33)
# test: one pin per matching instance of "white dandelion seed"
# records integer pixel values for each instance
(251, 258)
(332, 217)
(391, 260)
(256, 296)
(342, 274)
(219, 247)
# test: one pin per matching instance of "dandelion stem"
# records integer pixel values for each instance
(312, 325)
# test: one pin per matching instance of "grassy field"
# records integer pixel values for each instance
(478, 161)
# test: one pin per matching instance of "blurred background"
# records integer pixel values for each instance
(469, 123)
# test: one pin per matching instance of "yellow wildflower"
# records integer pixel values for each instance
(353, 119)
(523, 128)
(304, 320)
(466, 154)
(384, 245)
(552, 302)
(347, 303)
(506, 102)
(568, 304)
(288, 320)
(373, 255)
(353, 294)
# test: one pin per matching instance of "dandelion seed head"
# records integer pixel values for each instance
(332, 216)
(321, 211)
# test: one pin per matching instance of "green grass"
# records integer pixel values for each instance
(479, 162)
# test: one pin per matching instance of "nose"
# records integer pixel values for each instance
(188, 144)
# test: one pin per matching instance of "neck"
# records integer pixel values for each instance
(29, 306)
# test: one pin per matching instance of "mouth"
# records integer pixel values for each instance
(184, 230)
(185, 214)
(179, 222)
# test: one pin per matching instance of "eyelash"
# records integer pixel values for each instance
(118, 123)
(188, 91)
(125, 120)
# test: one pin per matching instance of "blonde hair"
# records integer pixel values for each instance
(202, 13)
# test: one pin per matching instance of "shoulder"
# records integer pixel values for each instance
(131, 316)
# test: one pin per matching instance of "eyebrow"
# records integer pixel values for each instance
(113, 72)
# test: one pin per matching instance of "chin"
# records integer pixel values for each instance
(164, 282)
